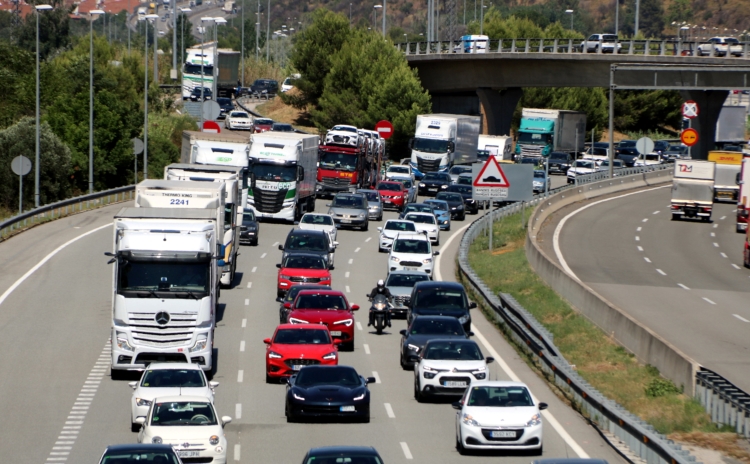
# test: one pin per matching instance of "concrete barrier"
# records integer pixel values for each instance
(645, 344)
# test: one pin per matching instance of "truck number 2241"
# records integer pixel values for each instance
(177, 201)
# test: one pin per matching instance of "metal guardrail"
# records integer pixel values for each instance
(23, 221)
(723, 401)
(602, 175)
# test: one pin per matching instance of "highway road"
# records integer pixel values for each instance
(55, 319)
(682, 279)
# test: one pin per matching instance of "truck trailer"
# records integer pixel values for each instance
(730, 127)
(728, 164)
(693, 189)
(442, 140)
(543, 131)
(498, 146)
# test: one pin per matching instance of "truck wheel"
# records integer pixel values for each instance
(675, 217)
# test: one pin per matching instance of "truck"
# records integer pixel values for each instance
(442, 140)
(743, 197)
(228, 71)
(228, 6)
(730, 127)
(222, 149)
(171, 194)
(198, 59)
(346, 161)
(543, 131)
(693, 189)
(282, 168)
(494, 145)
(728, 164)
(165, 286)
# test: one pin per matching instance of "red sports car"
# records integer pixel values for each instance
(294, 346)
(262, 124)
(302, 268)
(327, 307)
(393, 193)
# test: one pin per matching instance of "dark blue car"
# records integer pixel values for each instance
(337, 392)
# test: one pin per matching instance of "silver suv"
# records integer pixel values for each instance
(350, 210)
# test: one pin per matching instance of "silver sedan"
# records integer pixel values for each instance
(374, 204)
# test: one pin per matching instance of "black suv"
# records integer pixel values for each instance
(267, 86)
(434, 182)
(195, 95)
(559, 162)
(226, 106)
(439, 298)
(308, 241)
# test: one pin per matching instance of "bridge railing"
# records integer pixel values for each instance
(604, 174)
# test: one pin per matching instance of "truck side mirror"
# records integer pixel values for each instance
(451, 146)
(300, 173)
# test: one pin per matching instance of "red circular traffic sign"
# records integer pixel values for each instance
(211, 126)
(384, 128)
(690, 109)
(689, 137)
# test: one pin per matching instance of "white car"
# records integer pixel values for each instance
(344, 135)
(288, 83)
(447, 367)
(426, 223)
(412, 252)
(188, 423)
(648, 159)
(721, 46)
(607, 42)
(398, 172)
(391, 229)
(498, 415)
(581, 168)
(319, 221)
(167, 379)
(238, 120)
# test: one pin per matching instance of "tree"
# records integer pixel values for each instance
(54, 30)
(645, 110)
(231, 37)
(651, 19)
(679, 10)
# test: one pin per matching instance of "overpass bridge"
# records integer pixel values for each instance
(459, 82)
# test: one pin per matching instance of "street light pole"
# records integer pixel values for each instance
(203, 60)
(38, 147)
(570, 12)
(92, 13)
(242, 55)
(145, 92)
(350, 14)
(217, 22)
(385, 2)
(174, 40)
(156, 45)
(481, 19)
(182, 21)
(268, 30)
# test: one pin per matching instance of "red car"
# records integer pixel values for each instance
(302, 268)
(294, 346)
(262, 124)
(327, 307)
(393, 193)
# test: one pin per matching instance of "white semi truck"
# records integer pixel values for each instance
(442, 140)
(156, 193)
(693, 189)
(283, 168)
(165, 287)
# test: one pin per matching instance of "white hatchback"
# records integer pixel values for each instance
(391, 229)
(412, 252)
(426, 223)
(447, 367)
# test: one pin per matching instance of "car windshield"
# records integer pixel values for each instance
(304, 242)
(437, 176)
(319, 219)
(509, 397)
(344, 458)
(143, 456)
(558, 156)
(584, 164)
(341, 161)
(388, 186)
(430, 145)
(282, 128)
(626, 144)
(406, 183)
(459, 169)
(224, 101)
(274, 172)
(463, 180)
(183, 413)
(248, 217)
(461, 188)
(238, 114)
(321, 301)
(291, 295)
(457, 350)
(263, 121)
(304, 262)
(731, 40)
(348, 201)
(440, 298)
(371, 196)
(344, 128)
(529, 161)
(652, 157)
(405, 280)
(616, 163)
(421, 218)
(173, 378)
(450, 197)
(339, 375)
(438, 205)
(406, 245)
(599, 151)
(399, 169)
(539, 174)
(418, 208)
(402, 226)
(429, 326)
(302, 337)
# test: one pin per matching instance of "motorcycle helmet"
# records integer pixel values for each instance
(381, 284)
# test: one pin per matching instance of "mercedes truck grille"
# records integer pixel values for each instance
(425, 165)
(268, 201)
(177, 331)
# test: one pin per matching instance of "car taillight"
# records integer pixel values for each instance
(675, 207)
(707, 209)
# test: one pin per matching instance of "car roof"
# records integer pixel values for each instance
(498, 383)
(405, 272)
(173, 365)
(336, 450)
(303, 253)
(149, 447)
(419, 213)
(412, 236)
(399, 220)
(439, 284)
(366, 191)
(433, 318)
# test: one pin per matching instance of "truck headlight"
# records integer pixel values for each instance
(122, 342)
(199, 345)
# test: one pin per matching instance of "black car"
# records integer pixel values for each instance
(226, 106)
(676, 152)
(438, 298)
(195, 95)
(628, 156)
(560, 162)
(424, 328)
(139, 452)
(467, 192)
(328, 391)
(249, 228)
(434, 182)
(660, 146)
(626, 144)
(455, 203)
(309, 241)
(282, 127)
(341, 454)
(416, 208)
(291, 295)
(265, 86)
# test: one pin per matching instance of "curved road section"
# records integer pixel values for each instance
(682, 279)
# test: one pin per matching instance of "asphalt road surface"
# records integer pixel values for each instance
(682, 279)
(62, 406)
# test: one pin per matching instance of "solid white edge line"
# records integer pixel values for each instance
(558, 229)
(740, 318)
(359, 326)
(377, 377)
(508, 371)
(44, 260)
(405, 449)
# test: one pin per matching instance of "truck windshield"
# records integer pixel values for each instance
(274, 172)
(341, 161)
(534, 139)
(191, 68)
(163, 276)
(430, 145)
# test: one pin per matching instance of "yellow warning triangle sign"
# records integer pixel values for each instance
(491, 175)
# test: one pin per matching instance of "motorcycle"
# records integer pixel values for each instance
(379, 310)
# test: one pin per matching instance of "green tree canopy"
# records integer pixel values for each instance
(591, 101)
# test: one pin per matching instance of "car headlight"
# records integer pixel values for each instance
(199, 345)
(331, 355)
(480, 375)
(536, 419)
(284, 276)
(463, 319)
(297, 397)
(444, 186)
(429, 375)
(468, 420)
(421, 184)
(156, 440)
(433, 231)
(414, 348)
(361, 215)
(427, 261)
(360, 397)
(294, 320)
(346, 322)
(214, 440)
(454, 208)
(394, 258)
(123, 344)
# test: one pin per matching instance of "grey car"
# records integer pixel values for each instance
(400, 283)
(374, 204)
(350, 210)
(411, 190)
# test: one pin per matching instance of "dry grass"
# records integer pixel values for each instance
(727, 443)
(278, 111)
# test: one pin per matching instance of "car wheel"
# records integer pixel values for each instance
(366, 418)
(448, 229)
(366, 227)
(739, 230)
(675, 217)
(116, 374)
(460, 446)
(269, 379)
(404, 366)
(463, 217)
(437, 242)
(380, 218)
(539, 451)
(279, 294)
(347, 346)
(418, 392)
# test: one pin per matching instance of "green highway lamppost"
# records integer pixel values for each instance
(38, 148)
(385, 3)
(375, 9)
(570, 12)
(203, 61)
(174, 40)
(481, 19)
(217, 22)
(92, 13)
(145, 92)
(184, 18)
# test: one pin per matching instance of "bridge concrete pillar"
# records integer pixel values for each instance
(499, 107)
(709, 106)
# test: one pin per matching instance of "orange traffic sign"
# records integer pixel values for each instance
(689, 137)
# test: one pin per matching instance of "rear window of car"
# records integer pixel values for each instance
(400, 226)
(263, 121)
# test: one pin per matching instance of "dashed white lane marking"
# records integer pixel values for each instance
(244, 323)
(366, 347)
(716, 225)
(722, 218)
(240, 376)
(709, 301)
(275, 244)
(640, 248)
(359, 326)
(645, 220)
(655, 212)
(347, 289)
(242, 345)
(405, 449)
(638, 229)
(734, 210)
(740, 318)
(249, 285)
(263, 255)
(683, 286)
(247, 301)
(637, 238)
(646, 259)
(238, 411)
(389, 411)
(77, 227)
(716, 244)
(713, 234)
(368, 239)
(357, 250)
(347, 274)
(724, 255)
(736, 266)
(236, 452)
(661, 272)
(377, 377)
(351, 260)
(254, 269)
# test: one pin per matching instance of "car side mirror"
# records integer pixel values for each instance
(140, 420)
(278, 300)
(355, 307)
(296, 223)
(330, 268)
(543, 406)
(472, 305)
(287, 306)
(332, 250)
(133, 385)
(267, 341)
(213, 384)
(335, 244)
(278, 265)
(370, 380)
(402, 332)
(435, 253)
(470, 333)
(281, 247)
(490, 359)
(225, 420)
(328, 205)
(457, 405)
(380, 229)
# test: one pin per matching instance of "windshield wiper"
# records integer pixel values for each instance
(189, 292)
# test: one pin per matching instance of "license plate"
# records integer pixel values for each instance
(335, 333)
(432, 189)
(346, 409)
(296, 367)
(346, 221)
(386, 201)
(411, 268)
(188, 454)
(453, 383)
(501, 434)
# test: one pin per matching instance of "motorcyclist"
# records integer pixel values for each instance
(381, 289)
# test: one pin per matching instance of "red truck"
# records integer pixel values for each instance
(346, 168)
(743, 197)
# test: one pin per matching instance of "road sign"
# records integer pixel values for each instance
(211, 110)
(137, 145)
(211, 126)
(689, 137)
(491, 175)
(488, 179)
(690, 109)
(20, 165)
(644, 145)
(385, 129)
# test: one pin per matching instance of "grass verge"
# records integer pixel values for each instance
(598, 358)
(278, 111)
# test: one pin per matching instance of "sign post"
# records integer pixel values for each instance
(137, 150)
(21, 166)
